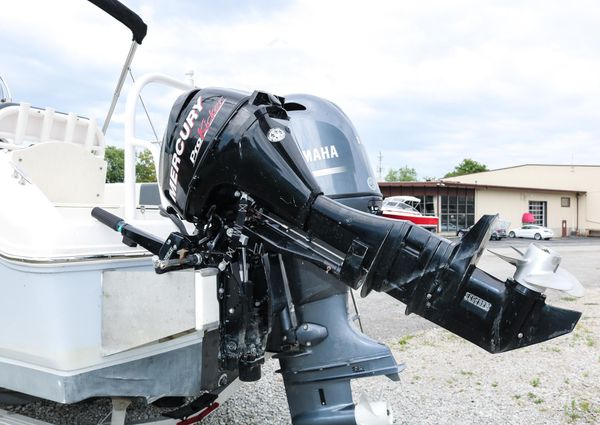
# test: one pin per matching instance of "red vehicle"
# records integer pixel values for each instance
(405, 208)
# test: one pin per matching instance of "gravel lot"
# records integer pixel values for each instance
(447, 380)
(450, 381)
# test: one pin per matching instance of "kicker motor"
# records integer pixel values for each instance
(283, 202)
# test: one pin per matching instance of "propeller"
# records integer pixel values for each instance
(367, 412)
(538, 269)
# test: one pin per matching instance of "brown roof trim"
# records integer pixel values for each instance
(543, 165)
(532, 165)
(473, 186)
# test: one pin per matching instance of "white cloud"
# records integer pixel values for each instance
(426, 83)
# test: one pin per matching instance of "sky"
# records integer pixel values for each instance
(426, 83)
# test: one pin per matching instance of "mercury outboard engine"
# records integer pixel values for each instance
(283, 202)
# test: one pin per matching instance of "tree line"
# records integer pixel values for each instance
(115, 170)
(409, 174)
(144, 168)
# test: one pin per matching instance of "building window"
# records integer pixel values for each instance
(457, 212)
(427, 205)
(539, 210)
(565, 201)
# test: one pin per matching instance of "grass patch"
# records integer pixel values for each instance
(572, 411)
(568, 299)
(585, 406)
(534, 398)
(581, 410)
(552, 348)
(402, 342)
(535, 382)
(583, 334)
(466, 373)
(429, 343)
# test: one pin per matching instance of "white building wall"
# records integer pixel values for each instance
(565, 179)
(511, 204)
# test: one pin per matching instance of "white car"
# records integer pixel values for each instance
(531, 231)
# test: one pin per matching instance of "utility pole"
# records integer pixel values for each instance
(379, 165)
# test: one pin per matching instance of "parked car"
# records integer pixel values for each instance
(497, 234)
(499, 231)
(531, 231)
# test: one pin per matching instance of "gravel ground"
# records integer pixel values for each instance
(447, 380)
(450, 381)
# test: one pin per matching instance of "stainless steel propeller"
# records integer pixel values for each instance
(538, 269)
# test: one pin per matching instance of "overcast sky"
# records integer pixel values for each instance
(426, 83)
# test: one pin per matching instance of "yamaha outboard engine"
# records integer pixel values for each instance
(282, 197)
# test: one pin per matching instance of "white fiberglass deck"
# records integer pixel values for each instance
(82, 314)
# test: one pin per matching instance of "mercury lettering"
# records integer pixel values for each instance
(184, 134)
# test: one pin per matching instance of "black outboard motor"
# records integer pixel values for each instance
(282, 198)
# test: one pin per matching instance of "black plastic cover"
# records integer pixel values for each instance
(219, 139)
(194, 122)
(124, 15)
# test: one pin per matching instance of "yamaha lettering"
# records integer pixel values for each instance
(321, 153)
(330, 158)
(330, 146)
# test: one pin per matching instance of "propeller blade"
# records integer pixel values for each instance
(369, 412)
(561, 280)
(577, 289)
(518, 250)
(517, 262)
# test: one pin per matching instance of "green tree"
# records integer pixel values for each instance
(402, 174)
(115, 159)
(115, 171)
(467, 166)
(144, 167)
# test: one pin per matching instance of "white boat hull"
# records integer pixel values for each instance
(60, 329)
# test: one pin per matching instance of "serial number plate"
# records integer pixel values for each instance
(477, 302)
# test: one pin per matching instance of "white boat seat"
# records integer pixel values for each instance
(65, 172)
(22, 125)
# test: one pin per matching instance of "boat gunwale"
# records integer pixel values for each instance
(63, 260)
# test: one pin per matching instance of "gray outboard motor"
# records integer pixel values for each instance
(333, 152)
(336, 158)
(282, 198)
